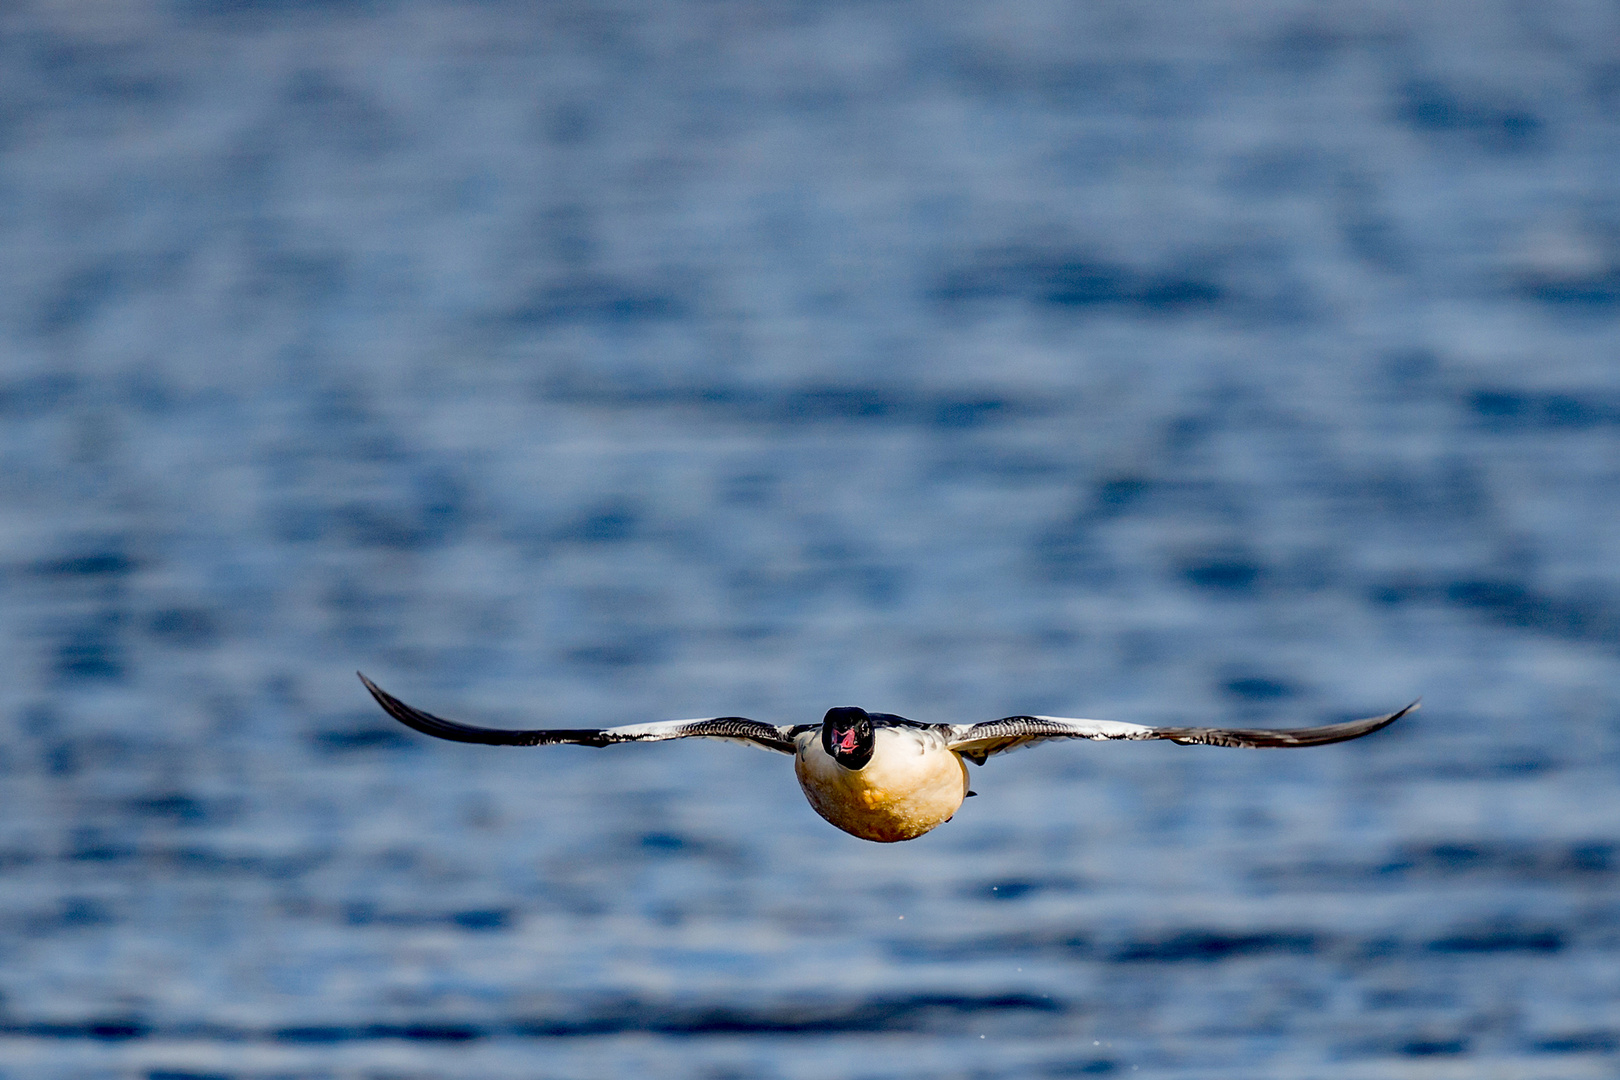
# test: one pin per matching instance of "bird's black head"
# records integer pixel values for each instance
(847, 735)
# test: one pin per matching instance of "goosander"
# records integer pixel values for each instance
(875, 775)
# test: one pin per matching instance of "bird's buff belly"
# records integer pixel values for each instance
(904, 791)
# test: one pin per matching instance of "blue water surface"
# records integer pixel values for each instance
(594, 363)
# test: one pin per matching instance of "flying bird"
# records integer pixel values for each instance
(876, 775)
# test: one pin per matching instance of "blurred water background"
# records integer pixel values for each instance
(591, 363)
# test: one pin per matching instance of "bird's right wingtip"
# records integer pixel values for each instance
(391, 705)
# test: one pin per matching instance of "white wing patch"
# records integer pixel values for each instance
(976, 742)
(709, 727)
(1101, 729)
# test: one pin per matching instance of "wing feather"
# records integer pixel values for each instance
(976, 742)
(731, 728)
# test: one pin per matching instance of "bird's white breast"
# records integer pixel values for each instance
(913, 783)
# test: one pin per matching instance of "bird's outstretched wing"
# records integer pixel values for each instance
(976, 742)
(731, 728)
